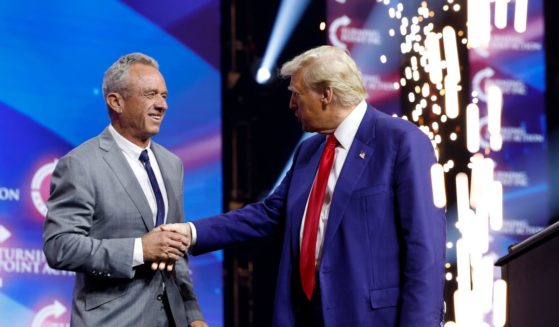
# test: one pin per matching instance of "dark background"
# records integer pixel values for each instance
(260, 132)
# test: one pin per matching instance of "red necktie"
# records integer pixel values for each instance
(314, 207)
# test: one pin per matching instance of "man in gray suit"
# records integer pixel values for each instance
(107, 195)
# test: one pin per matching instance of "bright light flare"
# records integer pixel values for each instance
(499, 303)
(436, 109)
(462, 196)
(451, 97)
(434, 58)
(479, 23)
(451, 54)
(496, 142)
(501, 13)
(263, 75)
(472, 128)
(494, 109)
(482, 174)
(289, 13)
(462, 266)
(520, 15)
(483, 283)
(482, 218)
(408, 72)
(464, 307)
(425, 90)
(437, 181)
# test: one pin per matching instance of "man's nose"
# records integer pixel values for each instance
(161, 103)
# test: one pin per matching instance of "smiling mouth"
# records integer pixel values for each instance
(156, 117)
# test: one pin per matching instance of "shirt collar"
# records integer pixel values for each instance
(126, 146)
(345, 133)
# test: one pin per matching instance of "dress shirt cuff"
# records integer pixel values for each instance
(193, 233)
(138, 258)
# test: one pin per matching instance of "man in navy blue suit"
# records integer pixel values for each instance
(363, 243)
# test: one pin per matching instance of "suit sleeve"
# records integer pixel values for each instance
(255, 221)
(184, 283)
(423, 229)
(258, 220)
(182, 271)
(67, 244)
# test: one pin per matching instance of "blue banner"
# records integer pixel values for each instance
(52, 58)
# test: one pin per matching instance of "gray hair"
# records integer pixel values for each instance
(328, 66)
(115, 78)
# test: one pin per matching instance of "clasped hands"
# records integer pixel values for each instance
(166, 244)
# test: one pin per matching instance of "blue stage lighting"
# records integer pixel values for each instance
(263, 75)
(290, 12)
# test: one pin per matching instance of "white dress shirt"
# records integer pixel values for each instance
(132, 154)
(345, 133)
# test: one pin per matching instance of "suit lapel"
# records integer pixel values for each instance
(304, 176)
(117, 162)
(358, 157)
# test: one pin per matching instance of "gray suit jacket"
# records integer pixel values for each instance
(95, 211)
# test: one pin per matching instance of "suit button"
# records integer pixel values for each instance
(160, 297)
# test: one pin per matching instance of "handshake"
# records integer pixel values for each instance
(166, 244)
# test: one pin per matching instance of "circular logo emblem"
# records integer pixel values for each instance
(40, 186)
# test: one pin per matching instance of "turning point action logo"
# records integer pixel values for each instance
(40, 185)
(351, 34)
(45, 314)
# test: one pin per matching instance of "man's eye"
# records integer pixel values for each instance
(150, 95)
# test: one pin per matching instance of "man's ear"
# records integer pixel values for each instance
(327, 96)
(115, 101)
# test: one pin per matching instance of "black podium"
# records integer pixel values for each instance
(531, 270)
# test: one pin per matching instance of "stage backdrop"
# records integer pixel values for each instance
(362, 27)
(52, 58)
(514, 61)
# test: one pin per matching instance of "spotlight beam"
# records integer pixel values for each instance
(289, 14)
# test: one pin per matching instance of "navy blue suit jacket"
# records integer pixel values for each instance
(383, 254)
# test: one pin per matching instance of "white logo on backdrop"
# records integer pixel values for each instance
(9, 194)
(350, 34)
(4, 234)
(333, 30)
(56, 309)
(477, 81)
(40, 175)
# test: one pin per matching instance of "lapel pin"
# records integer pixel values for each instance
(362, 155)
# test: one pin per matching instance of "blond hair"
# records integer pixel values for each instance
(328, 66)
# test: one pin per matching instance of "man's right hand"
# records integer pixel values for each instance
(164, 246)
(180, 228)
